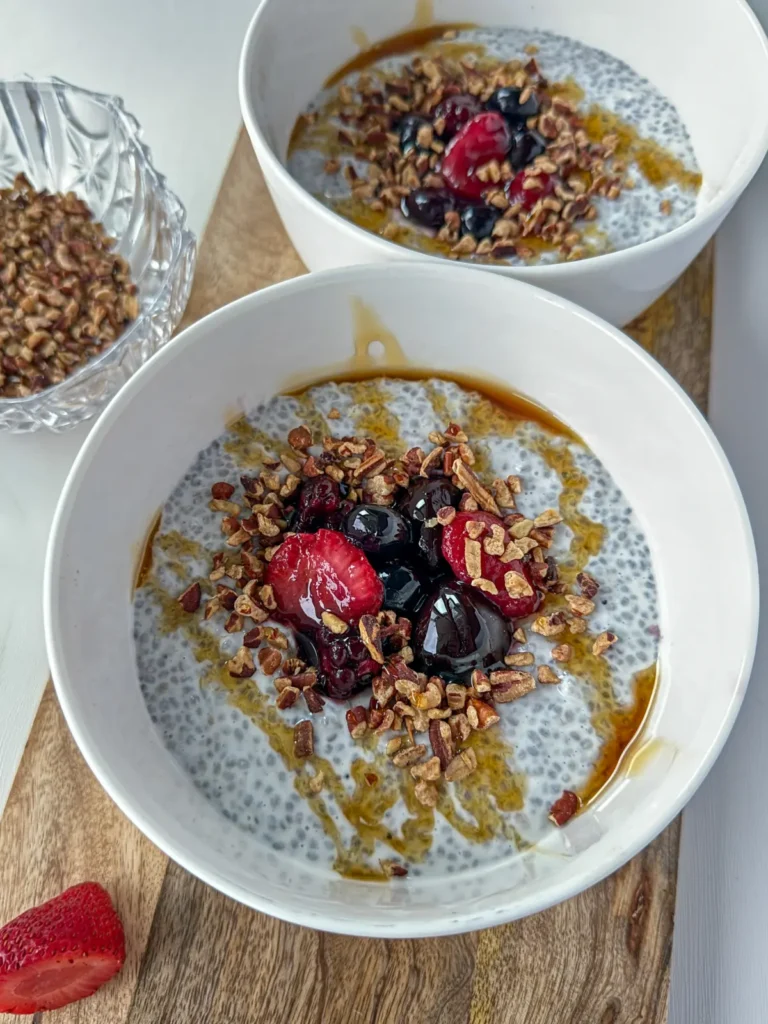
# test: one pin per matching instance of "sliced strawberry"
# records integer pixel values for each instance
(486, 137)
(312, 573)
(61, 951)
(514, 605)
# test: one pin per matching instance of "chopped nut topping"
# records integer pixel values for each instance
(517, 585)
(429, 770)
(485, 585)
(317, 782)
(520, 658)
(564, 808)
(603, 642)
(579, 605)
(190, 599)
(548, 625)
(577, 625)
(357, 722)
(270, 660)
(303, 739)
(550, 517)
(370, 634)
(461, 766)
(473, 558)
(547, 675)
(588, 584)
(510, 684)
(426, 793)
(242, 666)
(519, 635)
(521, 528)
(406, 756)
(334, 623)
(563, 652)
(300, 438)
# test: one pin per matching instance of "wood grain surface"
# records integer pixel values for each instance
(195, 957)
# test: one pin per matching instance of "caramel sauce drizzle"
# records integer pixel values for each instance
(476, 809)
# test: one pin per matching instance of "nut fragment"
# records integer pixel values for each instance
(222, 490)
(588, 584)
(547, 675)
(548, 625)
(300, 438)
(519, 658)
(303, 739)
(473, 555)
(270, 660)
(313, 700)
(428, 770)
(603, 642)
(426, 793)
(242, 666)
(357, 722)
(579, 605)
(317, 782)
(334, 623)
(287, 697)
(461, 766)
(441, 741)
(517, 585)
(190, 599)
(564, 808)
(563, 652)
(549, 517)
(510, 684)
(370, 634)
(406, 756)
(456, 695)
(481, 715)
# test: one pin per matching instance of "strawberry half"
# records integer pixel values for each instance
(312, 573)
(516, 596)
(61, 951)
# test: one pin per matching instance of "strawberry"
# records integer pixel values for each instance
(61, 951)
(515, 605)
(312, 573)
(486, 137)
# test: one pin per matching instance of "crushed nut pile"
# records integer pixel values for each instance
(427, 721)
(537, 184)
(65, 296)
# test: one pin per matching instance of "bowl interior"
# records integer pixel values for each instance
(668, 465)
(296, 47)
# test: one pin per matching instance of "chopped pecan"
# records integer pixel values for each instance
(516, 659)
(300, 438)
(357, 722)
(334, 623)
(549, 625)
(603, 642)
(190, 599)
(234, 623)
(547, 675)
(287, 697)
(242, 665)
(481, 715)
(429, 770)
(303, 739)
(579, 605)
(588, 584)
(425, 792)
(461, 766)
(253, 637)
(480, 682)
(441, 741)
(510, 684)
(222, 490)
(406, 756)
(460, 727)
(456, 695)
(549, 517)
(314, 701)
(370, 634)
(563, 652)
(564, 808)
(270, 660)
(467, 479)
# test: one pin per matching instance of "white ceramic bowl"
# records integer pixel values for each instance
(632, 414)
(291, 47)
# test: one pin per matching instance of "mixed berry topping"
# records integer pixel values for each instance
(487, 155)
(408, 581)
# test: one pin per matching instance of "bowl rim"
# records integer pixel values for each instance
(133, 132)
(612, 857)
(756, 148)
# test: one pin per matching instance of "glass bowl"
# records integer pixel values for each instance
(68, 139)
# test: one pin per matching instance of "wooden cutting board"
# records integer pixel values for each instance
(195, 957)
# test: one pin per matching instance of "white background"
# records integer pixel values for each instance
(174, 63)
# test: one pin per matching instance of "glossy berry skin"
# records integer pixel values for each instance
(456, 111)
(377, 530)
(454, 542)
(422, 501)
(486, 137)
(507, 101)
(318, 498)
(312, 573)
(525, 146)
(345, 665)
(428, 206)
(479, 219)
(409, 129)
(528, 197)
(457, 631)
(404, 588)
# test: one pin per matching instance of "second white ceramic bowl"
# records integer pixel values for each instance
(710, 59)
(452, 319)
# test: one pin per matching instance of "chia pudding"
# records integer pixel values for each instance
(323, 648)
(498, 145)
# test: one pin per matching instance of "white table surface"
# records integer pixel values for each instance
(190, 118)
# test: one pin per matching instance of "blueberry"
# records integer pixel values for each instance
(478, 220)
(404, 588)
(526, 146)
(427, 206)
(378, 530)
(507, 101)
(409, 129)
(425, 498)
(459, 630)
